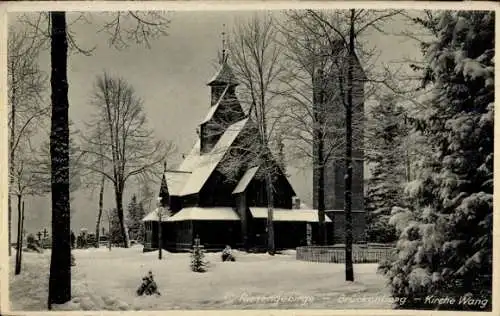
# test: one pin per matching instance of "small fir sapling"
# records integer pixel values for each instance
(198, 262)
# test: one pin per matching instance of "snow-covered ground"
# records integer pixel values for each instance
(104, 280)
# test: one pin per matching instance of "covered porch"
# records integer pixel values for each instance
(215, 226)
(292, 227)
(151, 231)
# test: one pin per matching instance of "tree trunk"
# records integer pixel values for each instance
(60, 263)
(22, 236)
(319, 113)
(160, 246)
(119, 211)
(99, 214)
(11, 173)
(20, 226)
(271, 247)
(109, 230)
(322, 235)
(12, 155)
(9, 202)
(349, 270)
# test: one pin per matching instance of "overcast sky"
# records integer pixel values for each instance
(171, 77)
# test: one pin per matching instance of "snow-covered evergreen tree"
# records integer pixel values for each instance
(445, 247)
(198, 263)
(135, 214)
(386, 131)
(114, 228)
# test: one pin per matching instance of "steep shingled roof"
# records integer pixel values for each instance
(176, 181)
(214, 108)
(190, 162)
(245, 180)
(196, 168)
(224, 76)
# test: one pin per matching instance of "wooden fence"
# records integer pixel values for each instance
(335, 254)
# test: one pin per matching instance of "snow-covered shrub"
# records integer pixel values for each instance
(32, 245)
(30, 239)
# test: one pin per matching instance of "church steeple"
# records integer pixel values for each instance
(224, 78)
(225, 109)
(164, 194)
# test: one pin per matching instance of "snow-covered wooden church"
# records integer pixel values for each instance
(218, 192)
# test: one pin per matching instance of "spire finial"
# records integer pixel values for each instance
(224, 56)
(164, 166)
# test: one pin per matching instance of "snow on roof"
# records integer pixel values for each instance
(212, 110)
(176, 181)
(245, 180)
(342, 211)
(286, 215)
(153, 215)
(205, 214)
(191, 161)
(199, 176)
(208, 162)
(304, 206)
(223, 76)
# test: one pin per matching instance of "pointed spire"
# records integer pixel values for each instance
(224, 75)
(164, 194)
(224, 55)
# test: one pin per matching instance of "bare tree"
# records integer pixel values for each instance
(345, 27)
(101, 179)
(256, 59)
(310, 95)
(90, 179)
(52, 27)
(27, 112)
(26, 181)
(126, 145)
